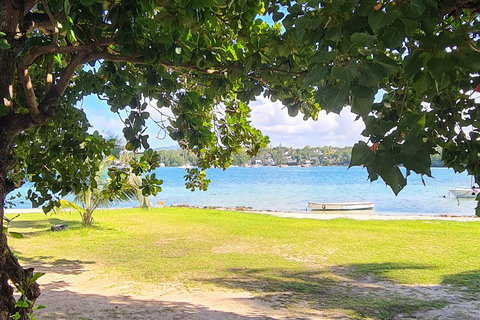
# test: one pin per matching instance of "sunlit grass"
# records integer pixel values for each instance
(259, 252)
(176, 242)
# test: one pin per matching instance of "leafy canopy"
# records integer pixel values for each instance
(205, 60)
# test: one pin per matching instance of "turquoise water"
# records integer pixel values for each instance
(290, 189)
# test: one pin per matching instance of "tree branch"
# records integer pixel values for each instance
(52, 20)
(67, 74)
(53, 49)
(49, 76)
(24, 77)
(470, 5)
(28, 4)
(112, 57)
(48, 106)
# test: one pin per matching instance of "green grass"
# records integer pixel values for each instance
(261, 253)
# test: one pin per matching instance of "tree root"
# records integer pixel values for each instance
(21, 278)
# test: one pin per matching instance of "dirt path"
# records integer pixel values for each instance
(79, 293)
(83, 295)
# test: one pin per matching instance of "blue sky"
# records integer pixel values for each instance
(330, 130)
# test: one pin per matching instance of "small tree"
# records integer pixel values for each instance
(102, 194)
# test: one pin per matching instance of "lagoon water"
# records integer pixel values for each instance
(290, 189)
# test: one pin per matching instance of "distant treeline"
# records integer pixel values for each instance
(313, 156)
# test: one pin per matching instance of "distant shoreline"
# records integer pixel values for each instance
(354, 215)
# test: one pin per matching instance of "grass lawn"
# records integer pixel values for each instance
(263, 253)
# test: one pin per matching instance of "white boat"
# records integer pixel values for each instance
(340, 206)
(464, 192)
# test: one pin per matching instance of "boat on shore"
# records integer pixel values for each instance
(464, 192)
(340, 206)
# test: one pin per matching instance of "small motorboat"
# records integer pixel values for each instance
(340, 206)
(464, 192)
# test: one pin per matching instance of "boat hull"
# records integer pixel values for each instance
(340, 206)
(464, 192)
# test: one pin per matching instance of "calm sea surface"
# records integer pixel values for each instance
(290, 189)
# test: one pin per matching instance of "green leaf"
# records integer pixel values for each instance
(362, 39)
(321, 56)
(374, 71)
(335, 97)
(4, 44)
(16, 235)
(36, 276)
(71, 36)
(379, 19)
(422, 82)
(412, 64)
(384, 65)
(394, 35)
(293, 110)
(393, 177)
(87, 3)
(66, 7)
(21, 304)
(414, 9)
(337, 3)
(362, 106)
(440, 66)
(2, 34)
(150, 54)
(362, 155)
(347, 73)
(368, 78)
(334, 33)
(315, 75)
(363, 92)
(277, 16)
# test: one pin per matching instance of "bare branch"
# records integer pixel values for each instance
(48, 106)
(24, 77)
(67, 73)
(52, 20)
(53, 48)
(49, 77)
(28, 4)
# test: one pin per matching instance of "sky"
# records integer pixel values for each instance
(329, 130)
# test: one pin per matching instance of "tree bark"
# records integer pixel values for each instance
(11, 124)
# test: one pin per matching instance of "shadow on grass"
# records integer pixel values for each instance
(43, 226)
(378, 270)
(48, 265)
(466, 281)
(333, 289)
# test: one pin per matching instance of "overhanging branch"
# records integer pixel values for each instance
(103, 55)
(53, 49)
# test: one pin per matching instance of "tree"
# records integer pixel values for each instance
(206, 60)
(101, 193)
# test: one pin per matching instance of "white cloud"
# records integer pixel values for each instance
(330, 129)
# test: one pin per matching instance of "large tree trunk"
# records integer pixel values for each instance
(11, 124)
(10, 269)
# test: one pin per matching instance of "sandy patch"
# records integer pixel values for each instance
(85, 295)
(80, 293)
